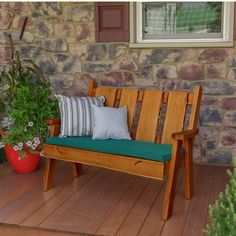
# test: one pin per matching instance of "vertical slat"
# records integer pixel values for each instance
(234, 21)
(92, 87)
(109, 94)
(165, 97)
(54, 130)
(118, 94)
(190, 98)
(140, 96)
(195, 107)
(148, 119)
(129, 98)
(175, 114)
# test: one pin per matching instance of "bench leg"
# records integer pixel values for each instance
(188, 168)
(171, 181)
(76, 169)
(48, 174)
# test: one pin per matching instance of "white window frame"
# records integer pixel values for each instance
(136, 31)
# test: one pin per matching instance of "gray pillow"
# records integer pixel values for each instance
(110, 123)
(76, 114)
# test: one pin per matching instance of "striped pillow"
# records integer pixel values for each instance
(76, 115)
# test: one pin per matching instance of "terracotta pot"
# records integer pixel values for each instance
(28, 164)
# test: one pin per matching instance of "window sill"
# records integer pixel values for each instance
(182, 45)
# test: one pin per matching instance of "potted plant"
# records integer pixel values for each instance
(223, 211)
(28, 101)
(2, 153)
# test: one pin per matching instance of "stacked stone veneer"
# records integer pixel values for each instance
(60, 38)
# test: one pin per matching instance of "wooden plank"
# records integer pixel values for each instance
(109, 94)
(65, 191)
(165, 97)
(139, 212)
(196, 217)
(140, 96)
(195, 107)
(190, 98)
(15, 230)
(34, 207)
(15, 185)
(148, 119)
(129, 98)
(5, 169)
(153, 223)
(175, 115)
(86, 209)
(118, 94)
(22, 207)
(146, 168)
(114, 197)
(92, 88)
(220, 179)
(116, 217)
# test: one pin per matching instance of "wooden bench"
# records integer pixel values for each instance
(169, 110)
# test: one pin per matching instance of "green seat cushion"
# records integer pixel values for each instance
(132, 148)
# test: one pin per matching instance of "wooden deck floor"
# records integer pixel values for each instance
(106, 202)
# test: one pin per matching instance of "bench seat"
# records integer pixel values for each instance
(132, 148)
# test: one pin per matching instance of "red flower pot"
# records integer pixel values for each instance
(28, 164)
(24, 165)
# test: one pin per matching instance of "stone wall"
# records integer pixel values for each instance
(60, 38)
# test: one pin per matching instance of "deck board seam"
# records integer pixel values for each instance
(212, 179)
(59, 177)
(156, 198)
(141, 193)
(28, 191)
(21, 196)
(97, 171)
(181, 181)
(116, 203)
(117, 180)
(191, 222)
(195, 179)
(186, 217)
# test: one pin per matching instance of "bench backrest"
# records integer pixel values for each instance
(161, 113)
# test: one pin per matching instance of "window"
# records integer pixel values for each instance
(183, 23)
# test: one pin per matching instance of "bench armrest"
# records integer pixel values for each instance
(53, 121)
(55, 125)
(187, 134)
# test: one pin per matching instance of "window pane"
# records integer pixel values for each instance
(186, 18)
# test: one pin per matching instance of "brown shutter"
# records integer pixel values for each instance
(112, 21)
(234, 21)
